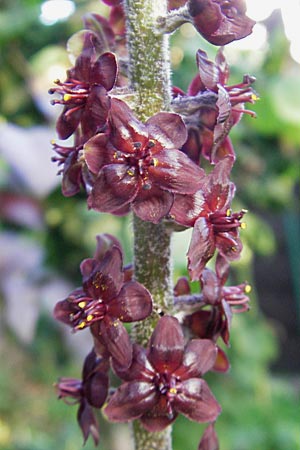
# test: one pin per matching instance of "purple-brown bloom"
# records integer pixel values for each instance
(212, 309)
(84, 92)
(166, 380)
(220, 21)
(139, 165)
(90, 391)
(215, 225)
(104, 302)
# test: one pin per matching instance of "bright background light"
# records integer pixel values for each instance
(53, 11)
(260, 10)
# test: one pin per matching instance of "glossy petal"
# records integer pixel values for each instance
(168, 128)
(106, 279)
(67, 123)
(131, 401)
(219, 190)
(95, 112)
(113, 189)
(159, 417)
(88, 422)
(199, 357)
(166, 345)
(140, 368)
(208, 71)
(175, 172)
(186, 208)
(196, 401)
(104, 71)
(127, 129)
(133, 303)
(97, 153)
(117, 341)
(153, 205)
(201, 249)
(210, 286)
(96, 388)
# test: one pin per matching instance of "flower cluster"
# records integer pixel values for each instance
(152, 169)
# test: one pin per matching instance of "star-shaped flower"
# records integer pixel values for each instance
(166, 380)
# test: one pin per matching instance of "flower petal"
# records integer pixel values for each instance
(166, 345)
(201, 249)
(87, 422)
(97, 153)
(117, 341)
(152, 205)
(168, 128)
(130, 401)
(127, 129)
(113, 189)
(104, 71)
(105, 281)
(95, 112)
(176, 172)
(186, 208)
(133, 303)
(199, 357)
(159, 417)
(196, 401)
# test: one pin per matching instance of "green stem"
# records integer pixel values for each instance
(149, 73)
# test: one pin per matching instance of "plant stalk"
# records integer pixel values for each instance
(149, 74)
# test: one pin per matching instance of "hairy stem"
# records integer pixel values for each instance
(149, 72)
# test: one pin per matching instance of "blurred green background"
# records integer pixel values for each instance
(44, 236)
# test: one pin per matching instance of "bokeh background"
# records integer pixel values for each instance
(44, 236)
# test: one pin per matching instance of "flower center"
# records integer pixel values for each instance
(224, 222)
(74, 93)
(88, 312)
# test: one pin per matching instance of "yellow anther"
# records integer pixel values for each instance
(247, 289)
(52, 142)
(243, 225)
(82, 305)
(90, 317)
(81, 325)
(173, 391)
(154, 162)
(67, 97)
(255, 97)
(130, 172)
(228, 212)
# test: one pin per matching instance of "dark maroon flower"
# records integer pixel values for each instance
(165, 380)
(209, 123)
(84, 93)
(209, 440)
(220, 21)
(208, 211)
(213, 308)
(104, 302)
(139, 165)
(90, 391)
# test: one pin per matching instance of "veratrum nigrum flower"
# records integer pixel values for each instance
(104, 302)
(90, 391)
(165, 380)
(214, 225)
(220, 21)
(84, 92)
(138, 165)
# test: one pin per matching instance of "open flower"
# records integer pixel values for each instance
(90, 391)
(84, 92)
(215, 225)
(220, 21)
(165, 381)
(104, 302)
(139, 165)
